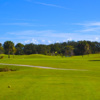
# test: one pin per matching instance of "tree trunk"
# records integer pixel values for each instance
(13, 55)
(8, 54)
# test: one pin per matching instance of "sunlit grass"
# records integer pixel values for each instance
(45, 84)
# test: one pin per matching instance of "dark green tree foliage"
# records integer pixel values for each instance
(97, 47)
(55, 48)
(83, 47)
(19, 49)
(87, 49)
(72, 43)
(69, 50)
(30, 48)
(48, 49)
(52, 49)
(93, 47)
(14, 51)
(65, 48)
(1, 49)
(8, 46)
(42, 49)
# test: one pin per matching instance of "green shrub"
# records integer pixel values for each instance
(1, 57)
(6, 69)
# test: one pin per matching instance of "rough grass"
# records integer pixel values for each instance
(45, 84)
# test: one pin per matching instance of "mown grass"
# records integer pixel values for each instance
(47, 84)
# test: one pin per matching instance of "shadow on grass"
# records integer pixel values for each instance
(94, 60)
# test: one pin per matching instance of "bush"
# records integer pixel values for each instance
(1, 57)
(6, 69)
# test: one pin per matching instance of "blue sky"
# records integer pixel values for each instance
(49, 21)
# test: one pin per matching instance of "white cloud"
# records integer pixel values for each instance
(89, 24)
(31, 41)
(90, 30)
(21, 19)
(57, 41)
(49, 41)
(31, 32)
(64, 40)
(44, 34)
(89, 27)
(94, 24)
(34, 41)
(20, 24)
(96, 38)
(50, 36)
(43, 41)
(52, 5)
(69, 39)
(27, 41)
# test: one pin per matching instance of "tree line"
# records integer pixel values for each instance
(63, 49)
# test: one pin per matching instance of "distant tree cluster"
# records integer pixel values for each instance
(63, 49)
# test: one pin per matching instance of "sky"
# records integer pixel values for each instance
(49, 21)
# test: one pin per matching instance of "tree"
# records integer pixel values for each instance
(55, 48)
(1, 49)
(30, 48)
(48, 49)
(87, 49)
(42, 49)
(8, 46)
(19, 49)
(14, 51)
(69, 50)
(83, 47)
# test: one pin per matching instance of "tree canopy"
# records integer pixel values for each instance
(65, 49)
(8, 46)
